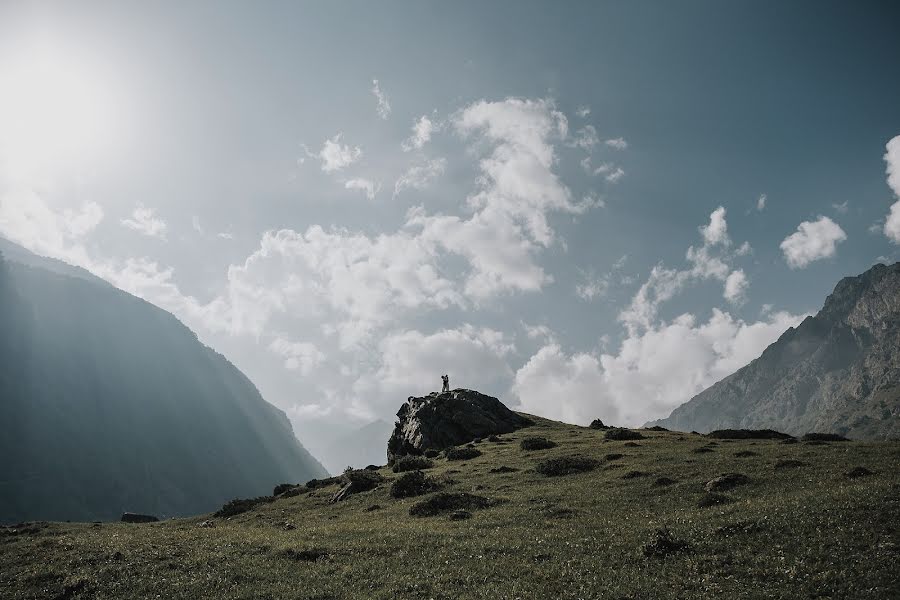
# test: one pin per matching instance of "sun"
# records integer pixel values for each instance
(57, 115)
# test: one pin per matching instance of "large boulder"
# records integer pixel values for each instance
(439, 421)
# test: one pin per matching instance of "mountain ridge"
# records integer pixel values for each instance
(836, 371)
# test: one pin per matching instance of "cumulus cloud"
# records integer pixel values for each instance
(651, 374)
(585, 138)
(761, 202)
(422, 131)
(708, 261)
(384, 106)
(736, 285)
(617, 143)
(592, 286)
(420, 176)
(813, 240)
(144, 221)
(368, 187)
(336, 156)
(582, 111)
(892, 158)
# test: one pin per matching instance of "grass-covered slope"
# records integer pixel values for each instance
(795, 526)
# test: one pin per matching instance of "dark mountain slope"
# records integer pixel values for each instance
(838, 371)
(109, 404)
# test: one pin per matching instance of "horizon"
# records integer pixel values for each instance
(588, 211)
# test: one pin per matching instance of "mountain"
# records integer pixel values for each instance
(110, 404)
(838, 371)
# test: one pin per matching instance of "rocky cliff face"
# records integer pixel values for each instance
(838, 371)
(439, 421)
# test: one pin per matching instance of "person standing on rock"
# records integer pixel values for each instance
(446, 381)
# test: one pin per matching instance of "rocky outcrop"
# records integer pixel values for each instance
(439, 421)
(837, 372)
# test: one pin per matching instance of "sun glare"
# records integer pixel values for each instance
(57, 116)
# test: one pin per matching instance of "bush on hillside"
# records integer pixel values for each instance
(449, 501)
(241, 505)
(566, 465)
(413, 483)
(748, 434)
(824, 437)
(411, 463)
(620, 433)
(536, 443)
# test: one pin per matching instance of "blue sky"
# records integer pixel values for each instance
(515, 209)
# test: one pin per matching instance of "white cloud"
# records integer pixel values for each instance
(761, 202)
(384, 106)
(370, 188)
(615, 175)
(717, 230)
(651, 374)
(419, 176)
(335, 156)
(892, 158)
(301, 356)
(841, 207)
(592, 286)
(144, 221)
(582, 111)
(617, 143)
(422, 131)
(664, 283)
(812, 241)
(585, 138)
(736, 287)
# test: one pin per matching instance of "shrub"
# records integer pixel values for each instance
(748, 434)
(356, 481)
(431, 453)
(241, 505)
(619, 433)
(566, 465)
(412, 483)
(411, 463)
(447, 502)
(462, 453)
(656, 428)
(824, 437)
(503, 469)
(282, 487)
(494, 438)
(314, 484)
(536, 443)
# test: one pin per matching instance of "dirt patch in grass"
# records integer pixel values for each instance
(726, 481)
(443, 502)
(413, 483)
(713, 499)
(536, 443)
(857, 472)
(309, 555)
(788, 463)
(566, 465)
(465, 453)
(663, 544)
(622, 434)
(411, 463)
(504, 469)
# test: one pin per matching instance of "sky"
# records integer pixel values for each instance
(587, 209)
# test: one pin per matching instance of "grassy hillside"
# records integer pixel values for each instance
(800, 529)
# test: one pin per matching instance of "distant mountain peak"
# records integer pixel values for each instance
(837, 371)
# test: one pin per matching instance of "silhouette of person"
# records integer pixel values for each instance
(446, 381)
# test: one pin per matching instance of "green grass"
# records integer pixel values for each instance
(801, 532)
